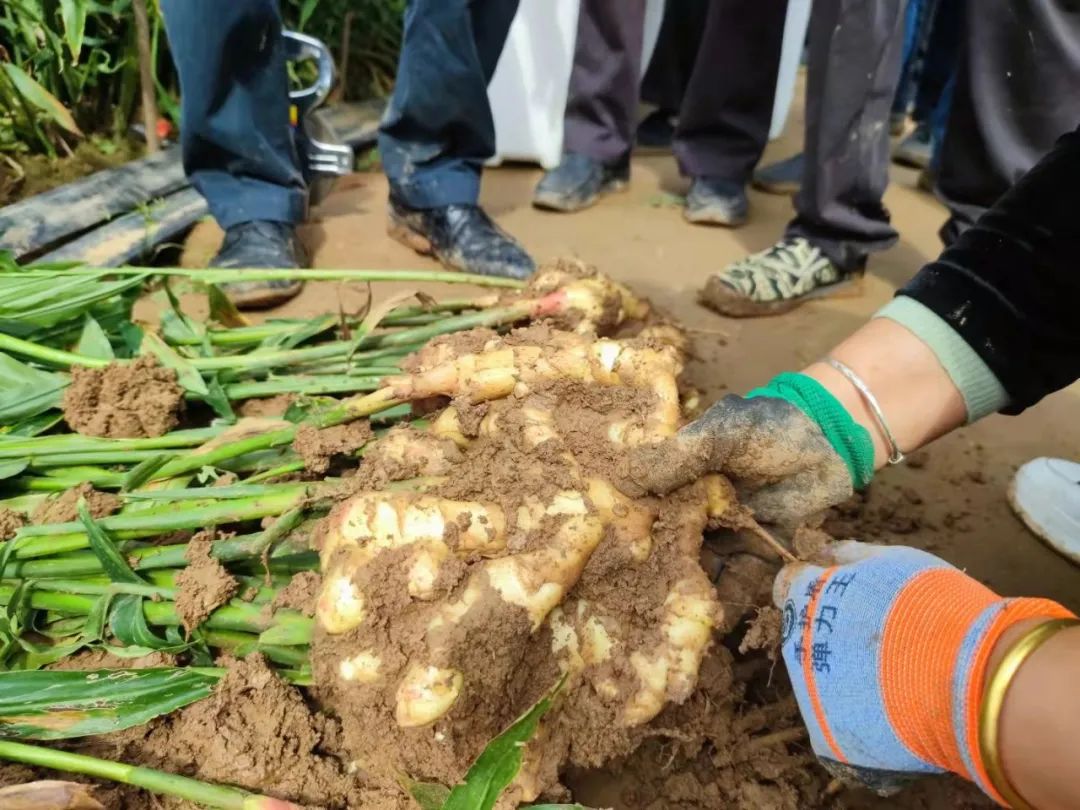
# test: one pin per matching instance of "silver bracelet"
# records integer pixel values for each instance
(895, 456)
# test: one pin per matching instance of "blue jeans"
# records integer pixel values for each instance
(916, 26)
(236, 139)
(438, 129)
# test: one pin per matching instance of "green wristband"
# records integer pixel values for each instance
(848, 438)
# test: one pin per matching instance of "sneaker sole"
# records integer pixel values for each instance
(708, 218)
(781, 188)
(1034, 527)
(911, 161)
(651, 149)
(720, 298)
(267, 299)
(552, 202)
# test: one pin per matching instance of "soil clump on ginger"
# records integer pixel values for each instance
(124, 400)
(204, 585)
(318, 448)
(266, 407)
(64, 508)
(300, 594)
(10, 522)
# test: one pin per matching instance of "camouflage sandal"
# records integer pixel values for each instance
(777, 280)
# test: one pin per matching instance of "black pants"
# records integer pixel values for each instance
(853, 70)
(725, 114)
(1017, 91)
(672, 63)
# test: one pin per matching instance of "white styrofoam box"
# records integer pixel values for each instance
(529, 89)
(798, 20)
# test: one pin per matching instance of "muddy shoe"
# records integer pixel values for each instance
(784, 177)
(260, 244)
(712, 201)
(656, 131)
(777, 280)
(915, 150)
(1045, 495)
(462, 237)
(578, 182)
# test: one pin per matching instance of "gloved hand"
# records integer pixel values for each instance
(790, 448)
(887, 651)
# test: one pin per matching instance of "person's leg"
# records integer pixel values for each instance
(938, 64)
(669, 71)
(1015, 95)
(940, 58)
(906, 85)
(236, 139)
(854, 64)
(724, 120)
(601, 109)
(438, 130)
(855, 49)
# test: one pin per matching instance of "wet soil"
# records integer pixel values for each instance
(38, 173)
(318, 448)
(204, 585)
(300, 594)
(64, 508)
(10, 522)
(124, 400)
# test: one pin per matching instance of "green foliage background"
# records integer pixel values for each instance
(68, 68)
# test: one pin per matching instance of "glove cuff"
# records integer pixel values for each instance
(932, 684)
(848, 438)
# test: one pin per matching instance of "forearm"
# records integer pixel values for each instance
(1040, 721)
(918, 398)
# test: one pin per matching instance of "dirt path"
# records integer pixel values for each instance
(952, 503)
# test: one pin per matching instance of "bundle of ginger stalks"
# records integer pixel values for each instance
(440, 552)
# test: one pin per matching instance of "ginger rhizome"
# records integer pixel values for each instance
(507, 556)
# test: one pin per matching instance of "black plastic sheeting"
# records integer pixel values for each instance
(117, 215)
(45, 219)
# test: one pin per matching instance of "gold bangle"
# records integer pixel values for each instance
(997, 687)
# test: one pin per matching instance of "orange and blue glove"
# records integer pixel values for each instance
(887, 649)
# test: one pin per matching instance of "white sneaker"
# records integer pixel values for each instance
(1045, 494)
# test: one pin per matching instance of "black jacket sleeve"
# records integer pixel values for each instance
(1010, 285)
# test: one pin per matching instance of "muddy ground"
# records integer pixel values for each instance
(949, 501)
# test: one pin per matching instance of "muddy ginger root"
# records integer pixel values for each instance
(447, 609)
(583, 300)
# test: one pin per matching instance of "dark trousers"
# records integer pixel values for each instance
(918, 22)
(236, 139)
(672, 64)
(1017, 91)
(438, 129)
(852, 73)
(727, 107)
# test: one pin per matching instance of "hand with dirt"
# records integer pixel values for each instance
(888, 649)
(790, 449)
